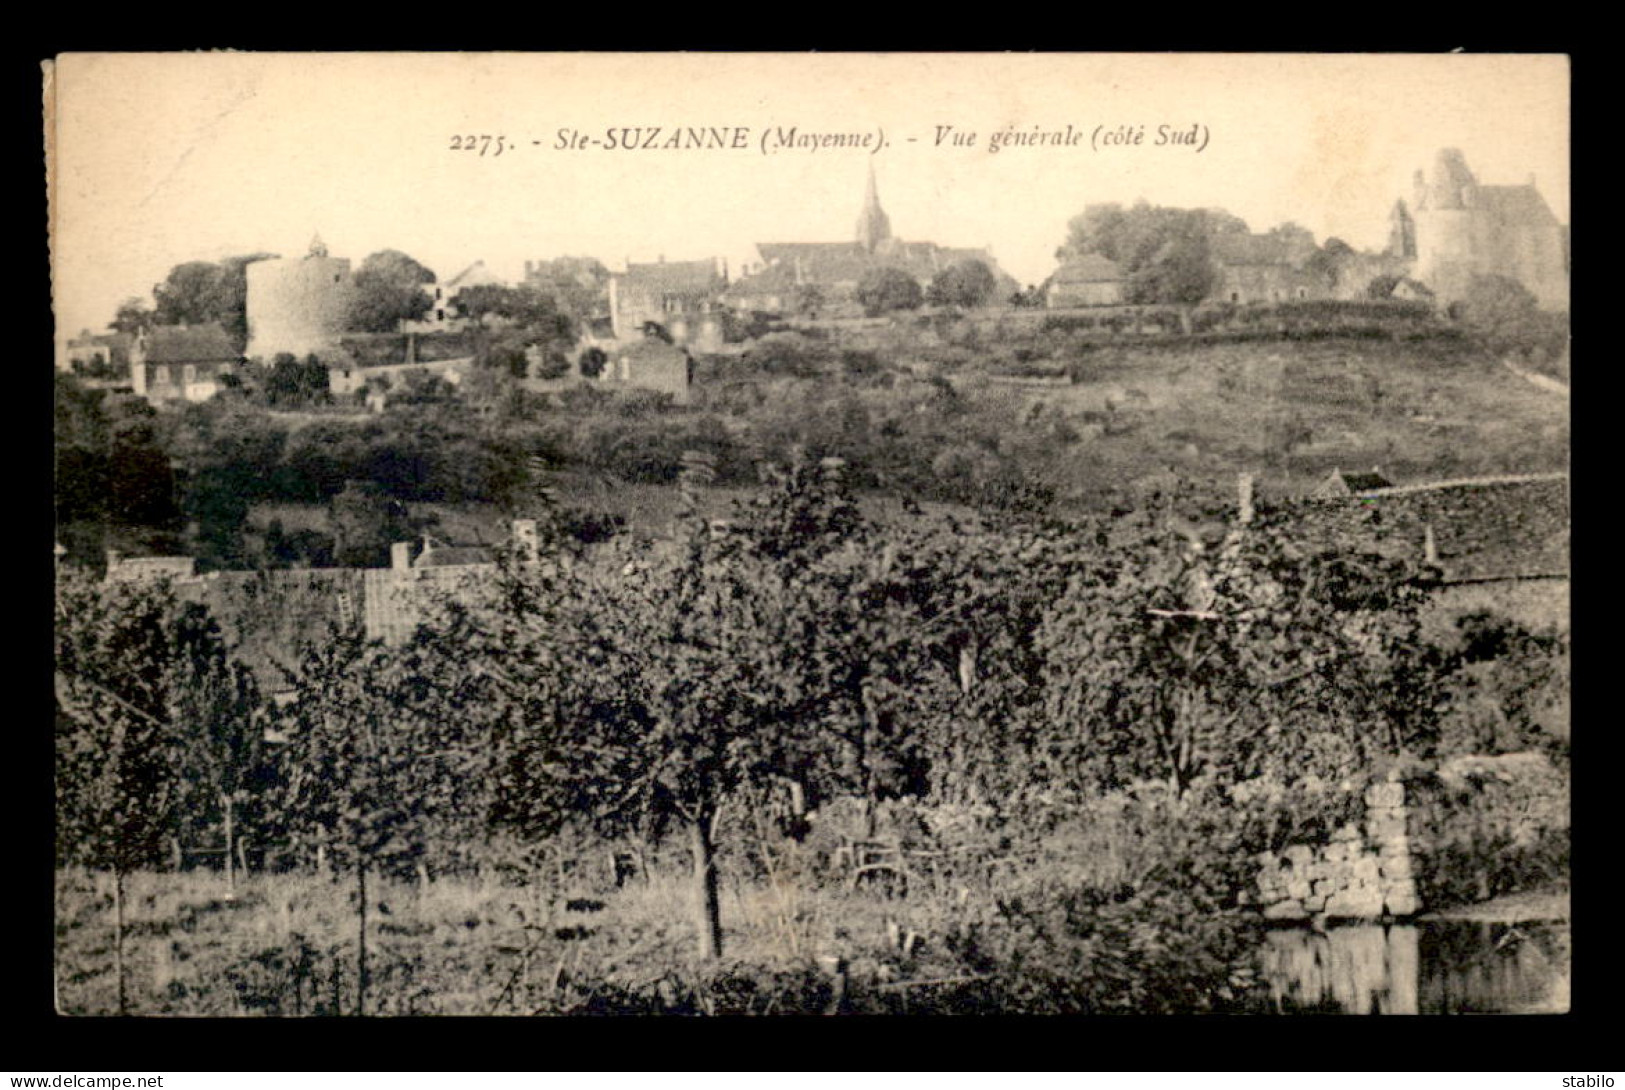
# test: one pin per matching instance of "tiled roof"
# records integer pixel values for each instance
(825, 262)
(206, 343)
(675, 276)
(1087, 269)
(1365, 482)
(139, 568)
(1240, 249)
(775, 279)
(441, 556)
(1483, 529)
(476, 274)
(1521, 205)
(116, 341)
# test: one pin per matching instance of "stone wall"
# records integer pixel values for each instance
(1470, 829)
(1364, 872)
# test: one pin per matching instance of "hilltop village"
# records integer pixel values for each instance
(320, 344)
(1451, 231)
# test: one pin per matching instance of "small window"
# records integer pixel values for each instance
(335, 278)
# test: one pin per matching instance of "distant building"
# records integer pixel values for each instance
(835, 268)
(774, 290)
(1457, 229)
(1356, 273)
(1412, 291)
(1340, 484)
(99, 354)
(683, 297)
(1259, 268)
(1091, 280)
(182, 363)
(299, 306)
(442, 316)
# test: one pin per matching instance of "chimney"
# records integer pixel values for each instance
(400, 556)
(1430, 546)
(1244, 489)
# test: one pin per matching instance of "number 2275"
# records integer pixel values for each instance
(493, 145)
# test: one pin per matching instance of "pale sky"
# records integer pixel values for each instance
(165, 158)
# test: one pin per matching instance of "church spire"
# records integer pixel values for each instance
(873, 226)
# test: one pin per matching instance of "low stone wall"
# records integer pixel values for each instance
(1362, 873)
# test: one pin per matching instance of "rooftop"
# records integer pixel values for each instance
(207, 343)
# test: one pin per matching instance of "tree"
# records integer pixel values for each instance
(365, 523)
(1295, 242)
(888, 288)
(221, 752)
(140, 481)
(133, 316)
(657, 697)
(388, 290)
(1506, 317)
(1164, 252)
(1326, 263)
(962, 284)
(578, 285)
(130, 663)
(1254, 656)
(531, 320)
(295, 383)
(381, 765)
(199, 292)
(806, 298)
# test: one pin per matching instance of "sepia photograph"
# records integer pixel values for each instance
(555, 534)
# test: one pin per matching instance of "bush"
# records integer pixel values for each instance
(887, 289)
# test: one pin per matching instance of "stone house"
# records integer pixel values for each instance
(182, 363)
(103, 353)
(442, 316)
(1254, 268)
(683, 297)
(1090, 280)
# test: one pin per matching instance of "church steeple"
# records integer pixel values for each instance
(873, 226)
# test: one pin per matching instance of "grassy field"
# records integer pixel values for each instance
(286, 944)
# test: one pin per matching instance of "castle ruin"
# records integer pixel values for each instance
(1457, 229)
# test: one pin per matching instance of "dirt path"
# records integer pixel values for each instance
(1544, 382)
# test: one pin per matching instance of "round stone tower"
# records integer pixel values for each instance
(1444, 215)
(297, 305)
